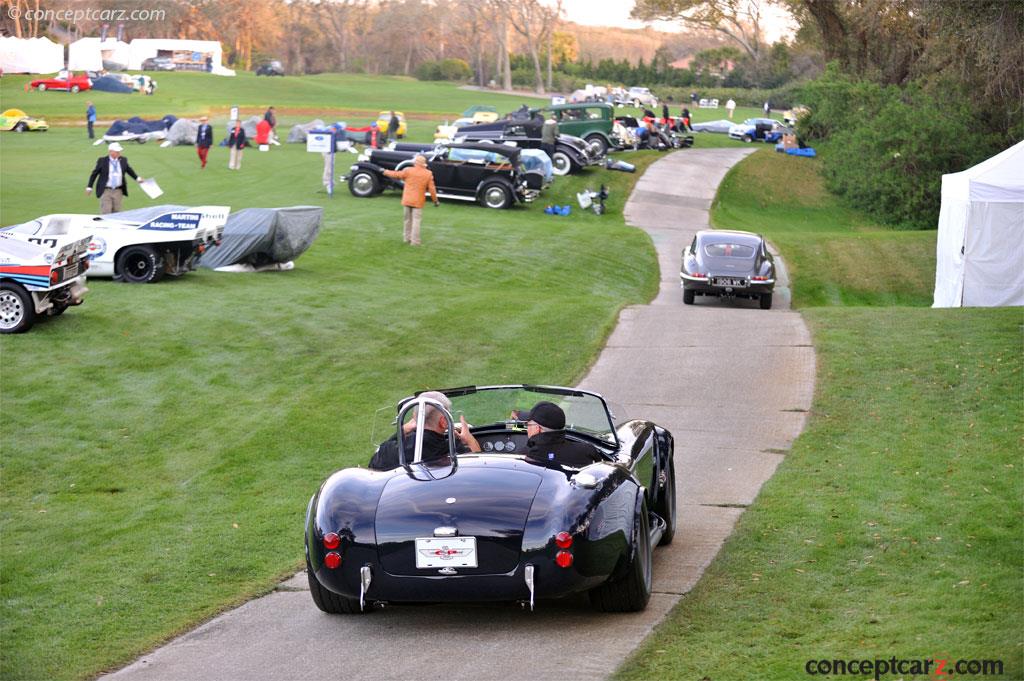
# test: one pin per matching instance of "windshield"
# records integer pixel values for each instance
(584, 413)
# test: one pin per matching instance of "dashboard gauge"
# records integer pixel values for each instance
(510, 446)
(488, 446)
(499, 446)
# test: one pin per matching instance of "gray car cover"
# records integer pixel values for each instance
(184, 131)
(299, 132)
(252, 236)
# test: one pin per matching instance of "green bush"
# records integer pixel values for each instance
(447, 69)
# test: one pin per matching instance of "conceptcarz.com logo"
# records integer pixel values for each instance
(936, 668)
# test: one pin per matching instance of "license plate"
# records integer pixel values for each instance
(729, 281)
(70, 271)
(435, 552)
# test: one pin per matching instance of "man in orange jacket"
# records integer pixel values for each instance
(418, 181)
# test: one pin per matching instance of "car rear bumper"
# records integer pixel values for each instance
(705, 287)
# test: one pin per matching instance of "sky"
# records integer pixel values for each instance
(616, 13)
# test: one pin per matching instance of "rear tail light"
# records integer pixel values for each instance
(54, 276)
(563, 559)
(85, 265)
(563, 540)
(332, 541)
(759, 279)
(332, 560)
(201, 249)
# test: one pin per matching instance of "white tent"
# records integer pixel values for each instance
(980, 251)
(187, 54)
(30, 55)
(89, 54)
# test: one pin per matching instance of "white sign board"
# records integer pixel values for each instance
(234, 113)
(319, 142)
(558, 100)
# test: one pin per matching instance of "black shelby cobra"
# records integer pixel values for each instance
(490, 174)
(572, 154)
(496, 525)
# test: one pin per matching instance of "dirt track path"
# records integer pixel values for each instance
(733, 384)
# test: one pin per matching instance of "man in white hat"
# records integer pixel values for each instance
(109, 178)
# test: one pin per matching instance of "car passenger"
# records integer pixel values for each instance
(435, 440)
(545, 426)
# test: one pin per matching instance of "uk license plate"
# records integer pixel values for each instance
(438, 552)
(729, 281)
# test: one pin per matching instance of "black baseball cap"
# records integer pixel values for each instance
(547, 414)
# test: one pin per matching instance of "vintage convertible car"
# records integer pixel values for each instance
(537, 168)
(19, 121)
(384, 118)
(728, 264)
(39, 277)
(591, 121)
(64, 80)
(491, 174)
(130, 249)
(760, 129)
(498, 526)
(572, 154)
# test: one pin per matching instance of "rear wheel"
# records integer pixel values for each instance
(17, 311)
(42, 87)
(630, 592)
(495, 195)
(766, 301)
(600, 141)
(748, 138)
(140, 265)
(22, 126)
(688, 297)
(561, 164)
(364, 184)
(75, 88)
(330, 602)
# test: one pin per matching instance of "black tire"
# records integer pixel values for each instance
(688, 296)
(75, 89)
(330, 602)
(22, 126)
(495, 195)
(766, 301)
(630, 592)
(561, 164)
(364, 184)
(41, 87)
(666, 505)
(598, 139)
(140, 265)
(748, 139)
(17, 310)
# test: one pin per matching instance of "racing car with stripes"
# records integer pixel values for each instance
(39, 280)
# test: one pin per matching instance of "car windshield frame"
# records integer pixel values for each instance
(586, 413)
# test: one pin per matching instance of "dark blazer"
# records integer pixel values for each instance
(102, 171)
(237, 140)
(205, 136)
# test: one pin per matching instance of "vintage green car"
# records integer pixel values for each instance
(19, 121)
(593, 121)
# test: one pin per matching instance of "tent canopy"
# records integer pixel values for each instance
(980, 245)
(144, 48)
(30, 55)
(91, 54)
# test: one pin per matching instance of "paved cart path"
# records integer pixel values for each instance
(733, 384)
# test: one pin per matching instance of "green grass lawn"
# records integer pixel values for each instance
(160, 442)
(894, 525)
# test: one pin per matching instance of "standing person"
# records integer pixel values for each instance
(393, 125)
(109, 178)
(686, 121)
(209, 64)
(664, 114)
(271, 118)
(730, 107)
(204, 139)
(767, 109)
(236, 143)
(549, 135)
(418, 181)
(90, 118)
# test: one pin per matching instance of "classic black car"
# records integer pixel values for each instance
(270, 68)
(538, 173)
(728, 264)
(572, 154)
(490, 174)
(498, 526)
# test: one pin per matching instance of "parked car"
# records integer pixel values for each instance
(572, 154)
(135, 251)
(490, 174)
(728, 264)
(722, 125)
(384, 119)
(39, 277)
(64, 80)
(498, 525)
(590, 121)
(757, 129)
(19, 121)
(270, 68)
(158, 64)
(446, 132)
(640, 97)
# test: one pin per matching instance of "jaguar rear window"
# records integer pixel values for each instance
(727, 250)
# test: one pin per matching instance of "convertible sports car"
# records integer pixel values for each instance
(491, 174)
(19, 121)
(728, 264)
(39, 279)
(64, 80)
(133, 250)
(760, 129)
(498, 526)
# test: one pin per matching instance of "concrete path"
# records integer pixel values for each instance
(733, 384)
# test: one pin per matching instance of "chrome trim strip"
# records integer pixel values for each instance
(365, 577)
(456, 197)
(691, 278)
(445, 531)
(528, 574)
